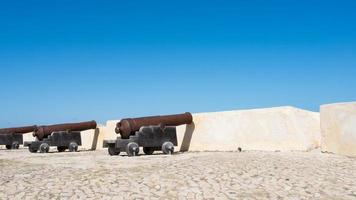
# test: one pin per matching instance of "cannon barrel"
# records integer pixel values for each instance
(129, 126)
(43, 131)
(18, 130)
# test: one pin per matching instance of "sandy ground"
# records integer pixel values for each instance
(206, 175)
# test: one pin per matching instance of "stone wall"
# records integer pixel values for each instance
(272, 129)
(338, 128)
(268, 129)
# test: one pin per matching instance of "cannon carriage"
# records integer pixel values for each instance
(156, 133)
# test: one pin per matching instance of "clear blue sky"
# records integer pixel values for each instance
(63, 61)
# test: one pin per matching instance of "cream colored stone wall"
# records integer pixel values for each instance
(93, 139)
(281, 128)
(28, 137)
(89, 138)
(271, 129)
(338, 128)
(107, 133)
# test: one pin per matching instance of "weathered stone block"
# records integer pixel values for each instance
(338, 128)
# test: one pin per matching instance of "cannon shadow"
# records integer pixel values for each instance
(189, 129)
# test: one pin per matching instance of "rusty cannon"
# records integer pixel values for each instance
(63, 136)
(129, 126)
(12, 138)
(152, 133)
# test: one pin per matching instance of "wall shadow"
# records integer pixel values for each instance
(189, 129)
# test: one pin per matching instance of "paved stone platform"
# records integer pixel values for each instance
(206, 175)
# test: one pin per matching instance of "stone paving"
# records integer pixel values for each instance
(205, 175)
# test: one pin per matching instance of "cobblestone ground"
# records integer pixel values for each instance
(208, 175)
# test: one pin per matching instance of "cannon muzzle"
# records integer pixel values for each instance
(129, 126)
(43, 131)
(18, 130)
